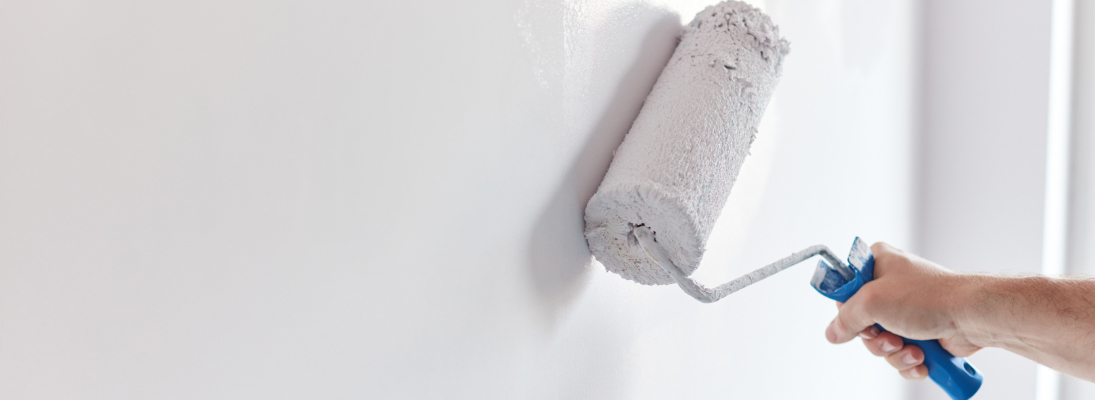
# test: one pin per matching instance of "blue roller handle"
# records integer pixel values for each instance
(954, 375)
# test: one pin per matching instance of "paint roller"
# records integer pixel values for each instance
(670, 178)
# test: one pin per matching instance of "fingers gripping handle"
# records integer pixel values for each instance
(953, 374)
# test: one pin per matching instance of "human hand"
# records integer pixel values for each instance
(911, 297)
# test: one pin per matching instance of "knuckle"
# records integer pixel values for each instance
(916, 353)
(922, 373)
(917, 373)
(871, 345)
(897, 360)
(876, 346)
(886, 255)
(892, 343)
(879, 248)
(893, 360)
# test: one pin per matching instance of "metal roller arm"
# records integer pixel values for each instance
(707, 295)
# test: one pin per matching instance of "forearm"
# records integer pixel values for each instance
(1049, 320)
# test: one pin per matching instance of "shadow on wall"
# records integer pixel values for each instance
(558, 255)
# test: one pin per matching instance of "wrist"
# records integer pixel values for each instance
(971, 306)
(990, 308)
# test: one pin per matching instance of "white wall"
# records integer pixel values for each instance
(243, 199)
(986, 88)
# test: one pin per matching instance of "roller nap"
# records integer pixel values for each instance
(674, 170)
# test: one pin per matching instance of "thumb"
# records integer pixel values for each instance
(851, 319)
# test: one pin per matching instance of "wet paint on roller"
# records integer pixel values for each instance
(674, 170)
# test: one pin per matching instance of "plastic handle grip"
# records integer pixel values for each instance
(954, 375)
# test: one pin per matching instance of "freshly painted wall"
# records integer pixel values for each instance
(338, 199)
